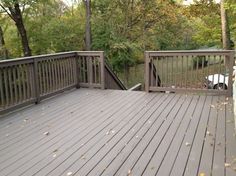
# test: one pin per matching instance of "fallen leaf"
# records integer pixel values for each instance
(25, 120)
(110, 132)
(69, 173)
(54, 155)
(56, 150)
(208, 133)
(227, 164)
(82, 157)
(46, 133)
(212, 106)
(202, 174)
(187, 144)
(129, 172)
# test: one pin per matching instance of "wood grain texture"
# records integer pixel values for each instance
(111, 132)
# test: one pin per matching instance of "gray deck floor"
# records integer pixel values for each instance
(95, 132)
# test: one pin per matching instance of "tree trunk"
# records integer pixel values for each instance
(3, 50)
(88, 36)
(16, 15)
(21, 28)
(225, 27)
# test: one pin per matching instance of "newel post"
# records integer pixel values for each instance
(230, 64)
(77, 70)
(147, 71)
(102, 60)
(36, 82)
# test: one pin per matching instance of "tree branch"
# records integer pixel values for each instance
(7, 12)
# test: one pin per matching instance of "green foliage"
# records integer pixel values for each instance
(124, 29)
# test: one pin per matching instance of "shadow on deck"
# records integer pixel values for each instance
(112, 132)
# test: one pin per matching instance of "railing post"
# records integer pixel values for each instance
(36, 82)
(230, 64)
(147, 71)
(102, 70)
(77, 71)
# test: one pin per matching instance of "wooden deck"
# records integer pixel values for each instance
(108, 132)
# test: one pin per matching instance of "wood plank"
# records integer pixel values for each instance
(91, 139)
(94, 154)
(125, 132)
(205, 165)
(199, 140)
(230, 157)
(147, 139)
(95, 132)
(55, 136)
(12, 118)
(20, 135)
(182, 158)
(150, 166)
(130, 147)
(165, 167)
(218, 168)
(100, 120)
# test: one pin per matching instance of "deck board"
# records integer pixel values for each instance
(109, 132)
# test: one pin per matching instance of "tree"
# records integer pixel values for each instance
(88, 35)
(225, 26)
(13, 9)
(3, 50)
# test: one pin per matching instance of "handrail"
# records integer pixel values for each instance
(201, 71)
(29, 80)
(109, 72)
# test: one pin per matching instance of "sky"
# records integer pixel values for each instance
(186, 2)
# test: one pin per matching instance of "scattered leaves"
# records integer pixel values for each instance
(227, 164)
(25, 120)
(110, 132)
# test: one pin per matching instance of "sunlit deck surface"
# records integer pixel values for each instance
(110, 132)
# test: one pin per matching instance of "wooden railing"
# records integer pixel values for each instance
(28, 80)
(195, 71)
